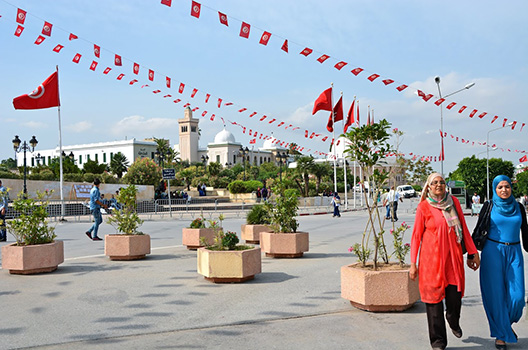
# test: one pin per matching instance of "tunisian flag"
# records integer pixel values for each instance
(338, 115)
(46, 95)
(350, 116)
(323, 102)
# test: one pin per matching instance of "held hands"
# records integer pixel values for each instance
(474, 263)
(413, 272)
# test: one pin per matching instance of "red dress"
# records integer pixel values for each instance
(441, 259)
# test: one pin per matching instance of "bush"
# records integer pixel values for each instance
(126, 220)
(143, 171)
(239, 186)
(89, 177)
(292, 192)
(73, 177)
(258, 215)
(8, 175)
(108, 178)
(197, 223)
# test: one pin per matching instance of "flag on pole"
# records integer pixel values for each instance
(338, 115)
(46, 95)
(323, 102)
(523, 159)
(350, 116)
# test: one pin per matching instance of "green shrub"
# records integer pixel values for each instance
(143, 171)
(230, 240)
(126, 220)
(73, 177)
(237, 186)
(89, 177)
(198, 223)
(258, 215)
(8, 175)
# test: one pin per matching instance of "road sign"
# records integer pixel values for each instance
(169, 174)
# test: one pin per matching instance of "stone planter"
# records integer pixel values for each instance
(251, 233)
(379, 291)
(229, 266)
(191, 237)
(284, 245)
(126, 247)
(32, 259)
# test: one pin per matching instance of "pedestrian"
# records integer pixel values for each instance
(264, 193)
(95, 208)
(336, 201)
(259, 195)
(391, 203)
(475, 204)
(502, 268)
(204, 188)
(439, 234)
(3, 211)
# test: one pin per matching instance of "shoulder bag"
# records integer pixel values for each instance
(480, 233)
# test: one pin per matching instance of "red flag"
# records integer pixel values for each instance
(117, 60)
(168, 82)
(195, 9)
(401, 87)
(72, 37)
(212, 117)
(356, 71)
(252, 114)
(93, 65)
(523, 159)
(482, 115)
(194, 92)
(373, 77)
(44, 96)
(107, 70)
(323, 102)
(151, 75)
(285, 46)
(178, 101)
(350, 116)
(439, 101)
(206, 98)
(340, 65)
(223, 18)
(387, 81)
(253, 141)
(338, 110)
(462, 109)
(244, 30)
(166, 2)
(472, 114)
(494, 118)
(180, 89)
(242, 110)
(504, 122)
(97, 51)
(39, 40)
(451, 105)
(522, 126)
(19, 30)
(21, 16)
(263, 117)
(306, 51)
(77, 58)
(46, 29)
(323, 58)
(58, 48)
(265, 38)
(136, 68)
(219, 102)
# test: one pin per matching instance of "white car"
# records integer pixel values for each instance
(406, 191)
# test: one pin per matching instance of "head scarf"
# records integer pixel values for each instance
(508, 206)
(444, 204)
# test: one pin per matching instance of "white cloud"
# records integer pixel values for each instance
(79, 127)
(139, 125)
(35, 125)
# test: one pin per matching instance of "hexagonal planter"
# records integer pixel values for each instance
(284, 245)
(191, 237)
(378, 291)
(126, 247)
(32, 259)
(229, 266)
(251, 233)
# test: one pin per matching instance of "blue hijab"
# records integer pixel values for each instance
(505, 207)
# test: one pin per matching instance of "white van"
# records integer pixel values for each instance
(406, 191)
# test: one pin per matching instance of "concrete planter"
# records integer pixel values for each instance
(284, 245)
(126, 247)
(32, 259)
(229, 266)
(191, 237)
(251, 233)
(378, 291)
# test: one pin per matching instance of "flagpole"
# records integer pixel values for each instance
(333, 133)
(61, 171)
(344, 163)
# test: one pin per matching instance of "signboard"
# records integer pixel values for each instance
(169, 174)
(82, 191)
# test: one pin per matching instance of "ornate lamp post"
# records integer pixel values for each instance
(282, 159)
(19, 146)
(205, 159)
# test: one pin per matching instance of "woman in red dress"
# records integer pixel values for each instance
(438, 234)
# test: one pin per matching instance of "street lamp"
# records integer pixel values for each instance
(38, 158)
(243, 152)
(282, 159)
(437, 81)
(204, 161)
(19, 146)
(487, 157)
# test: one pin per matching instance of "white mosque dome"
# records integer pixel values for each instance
(340, 146)
(224, 136)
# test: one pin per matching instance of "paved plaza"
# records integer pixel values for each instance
(161, 302)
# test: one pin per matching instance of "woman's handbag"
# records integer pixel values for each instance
(480, 233)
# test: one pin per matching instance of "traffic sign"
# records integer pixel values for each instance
(169, 174)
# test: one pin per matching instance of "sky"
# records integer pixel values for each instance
(475, 41)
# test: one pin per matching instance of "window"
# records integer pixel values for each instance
(49, 159)
(193, 128)
(87, 157)
(184, 128)
(104, 157)
(218, 158)
(111, 155)
(32, 161)
(80, 159)
(96, 158)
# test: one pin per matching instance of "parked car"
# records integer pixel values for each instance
(406, 191)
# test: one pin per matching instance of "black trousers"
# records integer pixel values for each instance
(435, 316)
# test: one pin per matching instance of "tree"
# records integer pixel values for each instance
(320, 170)
(416, 170)
(119, 164)
(214, 168)
(143, 171)
(304, 168)
(93, 166)
(522, 182)
(9, 163)
(292, 149)
(68, 166)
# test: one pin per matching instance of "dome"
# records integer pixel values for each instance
(341, 144)
(224, 136)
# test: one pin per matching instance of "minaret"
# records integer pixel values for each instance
(189, 137)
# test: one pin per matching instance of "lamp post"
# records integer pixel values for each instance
(487, 157)
(243, 152)
(205, 158)
(38, 158)
(437, 81)
(19, 146)
(282, 158)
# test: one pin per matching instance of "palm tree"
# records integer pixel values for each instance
(305, 166)
(320, 170)
(119, 164)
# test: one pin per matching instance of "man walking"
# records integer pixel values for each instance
(3, 211)
(95, 208)
(391, 203)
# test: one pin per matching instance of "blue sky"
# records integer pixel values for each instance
(485, 42)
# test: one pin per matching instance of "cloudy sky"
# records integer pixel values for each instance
(482, 42)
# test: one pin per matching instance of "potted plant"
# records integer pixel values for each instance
(227, 262)
(200, 232)
(283, 241)
(376, 285)
(128, 243)
(257, 221)
(35, 250)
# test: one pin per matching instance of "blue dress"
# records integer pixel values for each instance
(502, 274)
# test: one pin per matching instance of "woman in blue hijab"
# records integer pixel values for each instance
(502, 266)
